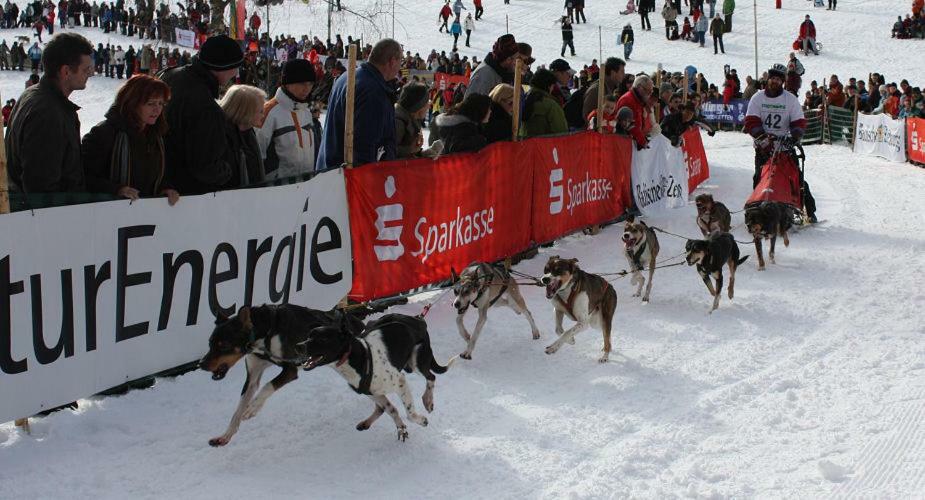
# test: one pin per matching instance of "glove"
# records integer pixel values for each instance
(711, 133)
(640, 147)
(763, 142)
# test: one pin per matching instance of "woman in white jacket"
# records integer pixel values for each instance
(287, 141)
(469, 26)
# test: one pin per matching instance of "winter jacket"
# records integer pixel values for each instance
(626, 36)
(458, 7)
(119, 57)
(196, 144)
(487, 75)
(716, 27)
(835, 95)
(646, 6)
(114, 155)
(456, 28)
(701, 25)
(459, 134)
(286, 138)
(641, 116)
(796, 65)
(567, 33)
(728, 7)
(43, 142)
(499, 126)
(469, 24)
(543, 115)
(445, 12)
(673, 127)
(407, 130)
(243, 154)
(669, 14)
(35, 53)
(807, 30)
(374, 120)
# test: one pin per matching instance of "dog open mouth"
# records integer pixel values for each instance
(629, 241)
(312, 362)
(220, 372)
(552, 287)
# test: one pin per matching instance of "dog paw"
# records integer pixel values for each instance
(466, 355)
(536, 335)
(552, 349)
(604, 358)
(362, 426)
(761, 268)
(422, 422)
(219, 441)
(646, 299)
(402, 433)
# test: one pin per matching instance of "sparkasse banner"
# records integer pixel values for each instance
(94, 295)
(880, 135)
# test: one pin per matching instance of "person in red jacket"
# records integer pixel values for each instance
(836, 94)
(478, 9)
(255, 22)
(445, 16)
(729, 89)
(808, 36)
(637, 99)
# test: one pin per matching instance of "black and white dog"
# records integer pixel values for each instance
(768, 220)
(585, 298)
(373, 363)
(484, 286)
(711, 255)
(264, 336)
(640, 245)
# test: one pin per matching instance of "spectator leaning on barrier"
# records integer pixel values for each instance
(196, 142)
(542, 114)
(286, 136)
(410, 109)
(374, 112)
(614, 74)
(637, 99)
(43, 139)
(563, 73)
(500, 124)
(243, 106)
(460, 128)
(497, 67)
(124, 154)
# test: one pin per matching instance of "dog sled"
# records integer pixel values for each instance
(782, 179)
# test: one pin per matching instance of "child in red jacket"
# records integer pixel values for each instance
(610, 116)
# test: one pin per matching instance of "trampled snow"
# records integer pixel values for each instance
(809, 384)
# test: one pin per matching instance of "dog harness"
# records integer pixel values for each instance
(569, 304)
(366, 378)
(637, 256)
(501, 274)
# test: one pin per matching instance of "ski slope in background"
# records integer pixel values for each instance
(810, 384)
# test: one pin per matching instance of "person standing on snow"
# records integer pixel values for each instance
(444, 16)
(700, 30)
(469, 25)
(670, 15)
(458, 7)
(645, 6)
(728, 7)
(808, 35)
(579, 11)
(456, 30)
(567, 36)
(626, 39)
(716, 29)
(478, 9)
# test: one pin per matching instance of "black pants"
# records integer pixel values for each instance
(644, 20)
(580, 13)
(444, 26)
(720, 39)
(809, 203)
(668, 28)
(727, 24)
(570, 45)
(833, 4)
(455, 39)
(478, 13)
(468, 34)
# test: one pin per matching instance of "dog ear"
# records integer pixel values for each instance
(453, 276)
(244, 316)
(573, 261)
(220, 318)
(630, 219)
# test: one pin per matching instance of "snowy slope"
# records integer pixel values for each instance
(810, 384)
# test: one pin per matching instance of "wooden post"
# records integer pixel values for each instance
(854, 127)
(518, 90)
(686, 86)
(699, 79)
(601, 82)
(348, 114)
(658, 94)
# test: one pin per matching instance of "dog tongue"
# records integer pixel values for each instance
(550, 290)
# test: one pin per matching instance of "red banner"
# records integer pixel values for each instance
(915, 139)
(444, 81)
(698, 170)
(578, 181)
(412, 221)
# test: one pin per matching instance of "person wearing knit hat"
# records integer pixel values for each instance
(624, 121)
(196, 146)
(286, 136)
(410, 109)
(497, 67)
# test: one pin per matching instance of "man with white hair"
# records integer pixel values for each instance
(637, 99)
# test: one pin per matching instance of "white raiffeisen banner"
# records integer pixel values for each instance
(659, 177)
(880, 135)
(95, 295)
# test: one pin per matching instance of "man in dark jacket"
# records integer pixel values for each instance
(645, 6)
(374, 112)
(614, 74)
(567, 36)
(196, 144)
(43, 140)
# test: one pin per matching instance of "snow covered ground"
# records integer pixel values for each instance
(810, 384)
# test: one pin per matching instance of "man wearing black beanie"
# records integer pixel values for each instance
(195, 145)
(287, 139)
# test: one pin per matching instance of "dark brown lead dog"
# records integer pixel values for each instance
(768, 220)
(711, 255)
(712, 216)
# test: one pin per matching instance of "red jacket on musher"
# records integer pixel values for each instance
(807, 30)
(642, 122)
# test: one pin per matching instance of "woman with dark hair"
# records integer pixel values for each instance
(459, 130)
(124, 154)
(542, 113)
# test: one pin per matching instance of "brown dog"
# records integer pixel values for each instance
(712, 216)
(586, 298)
(640, 245)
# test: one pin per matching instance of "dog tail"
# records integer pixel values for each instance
(436, 368)
(740, 261)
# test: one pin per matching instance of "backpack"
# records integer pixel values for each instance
(573, 108)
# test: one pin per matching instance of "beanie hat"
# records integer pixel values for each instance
(220, 52)
(505, 46)
(298, 71)
(625, 113)
(413, 97)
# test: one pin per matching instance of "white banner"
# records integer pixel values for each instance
(95, 295)
(880, 135)
(185, 38)
(659, 177)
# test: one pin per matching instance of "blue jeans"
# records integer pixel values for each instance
(712, 10)
(627, 50)
(700, 37)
